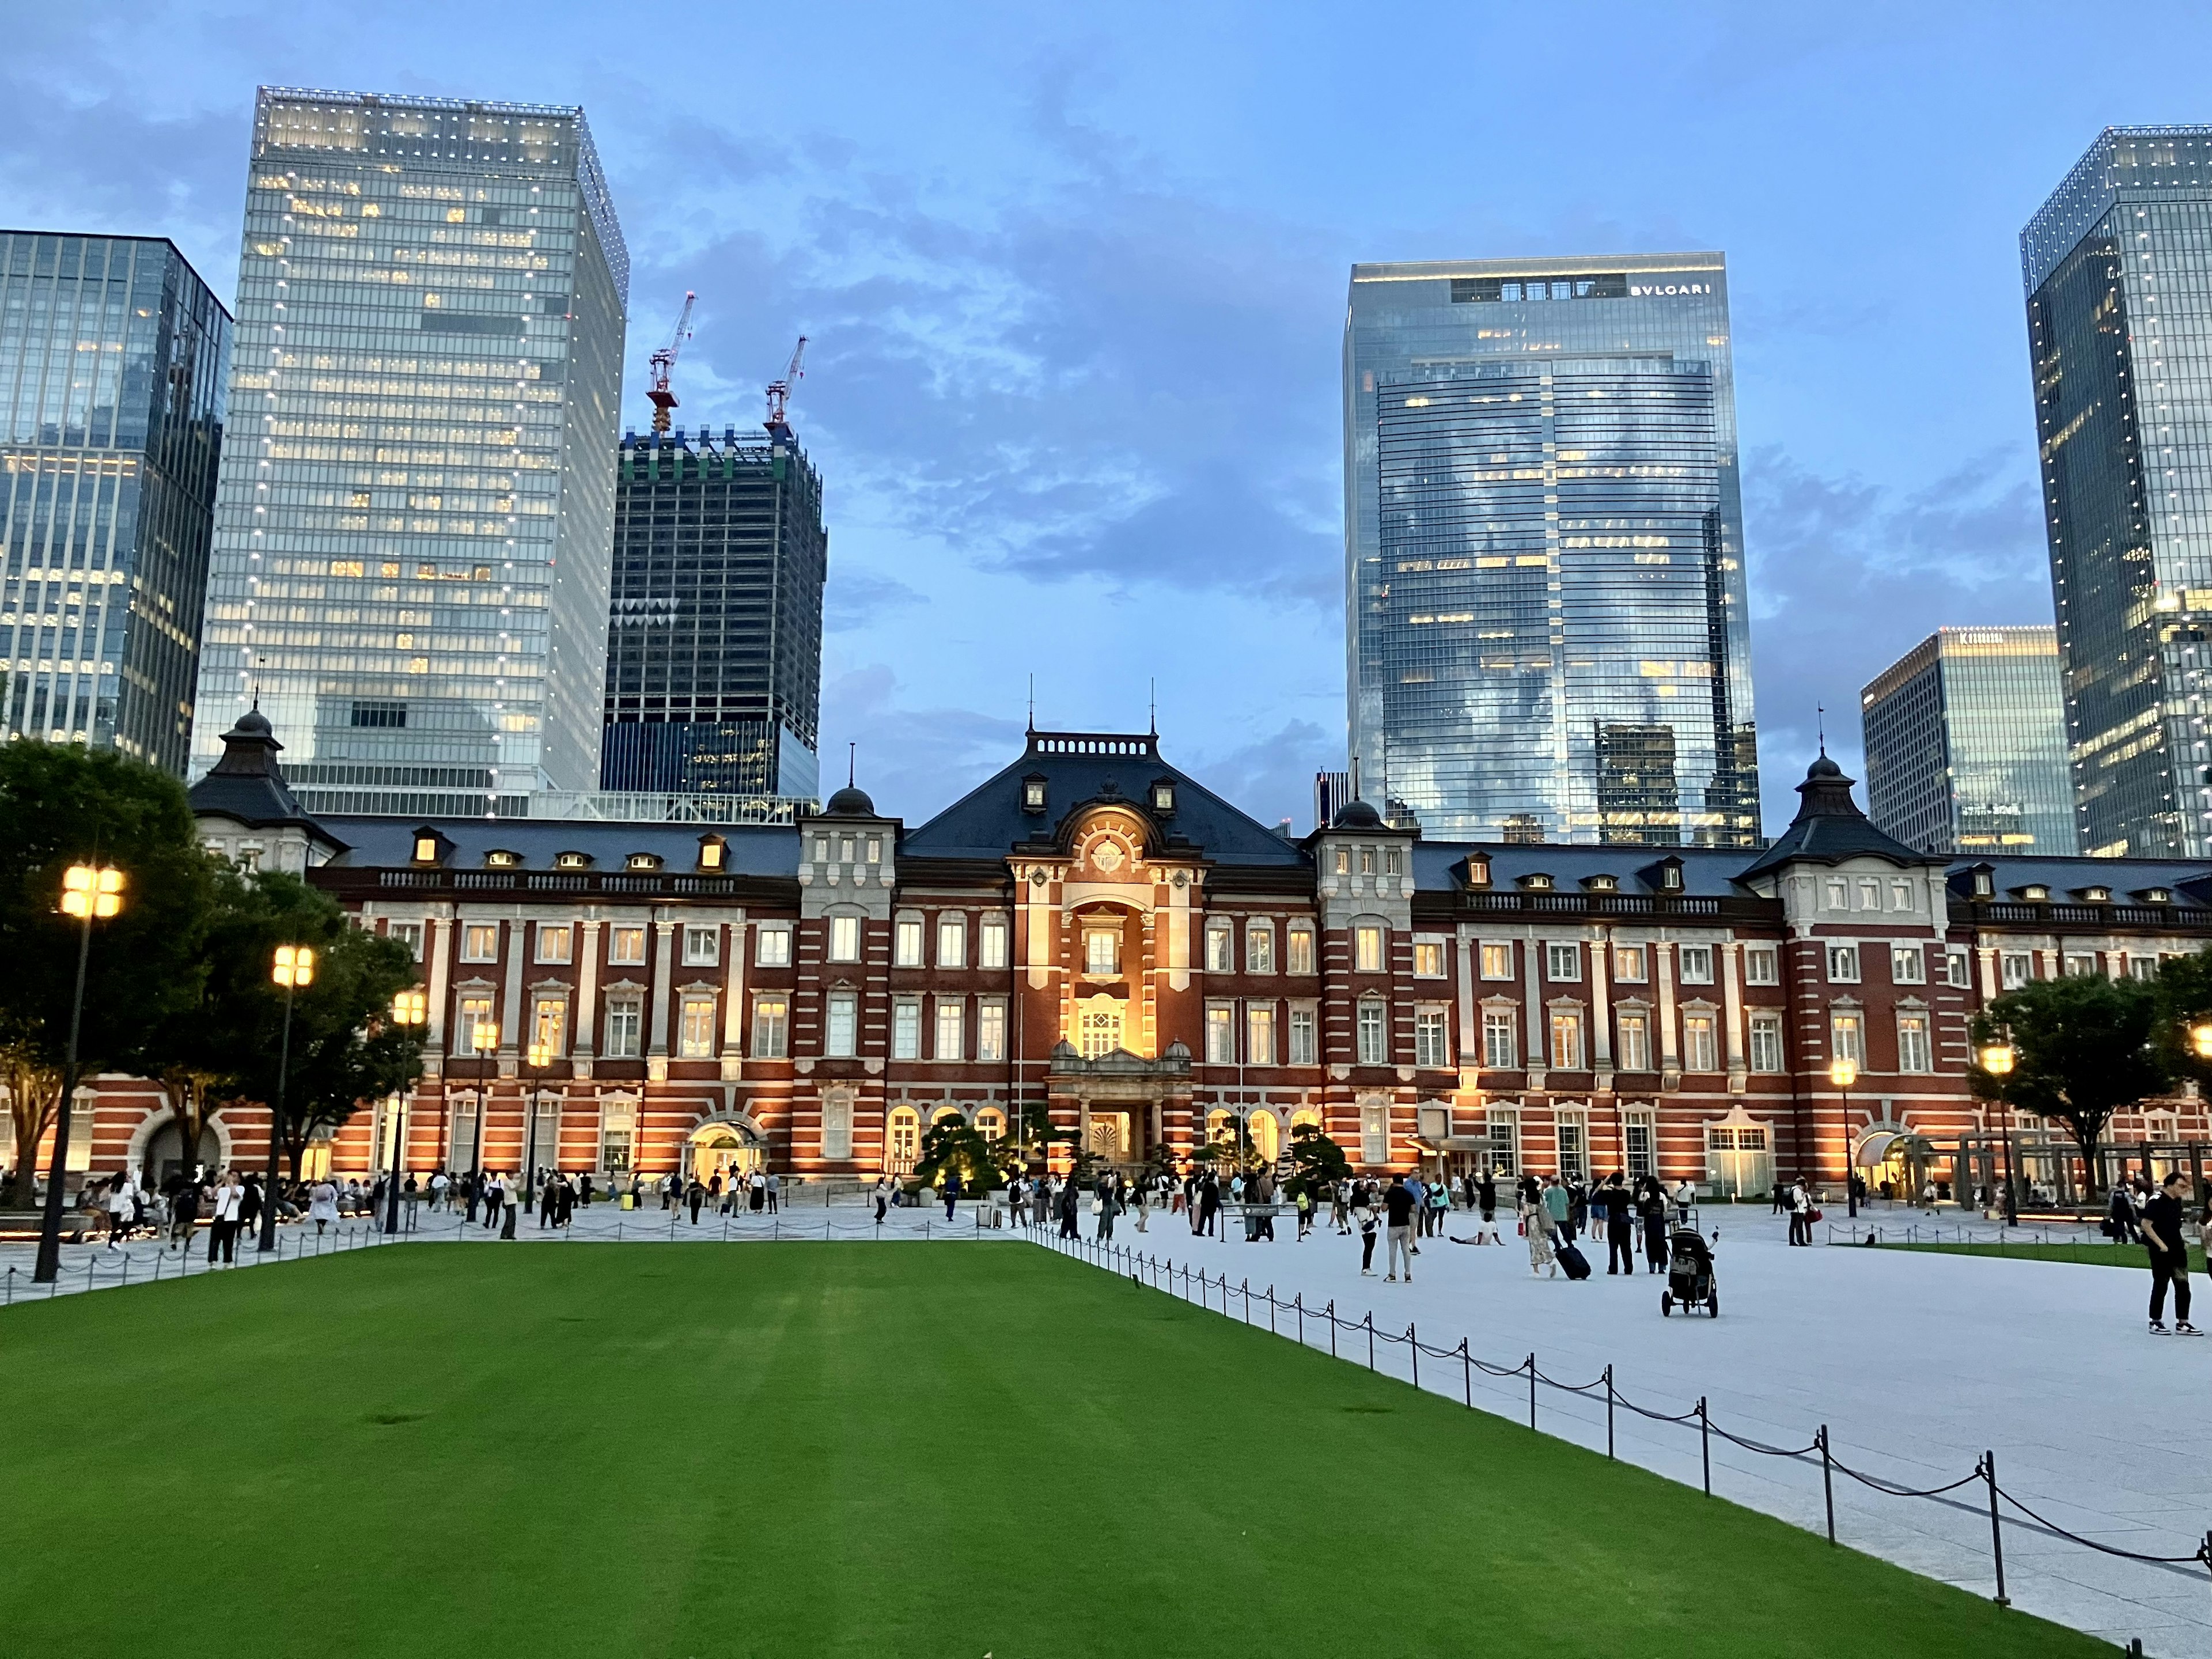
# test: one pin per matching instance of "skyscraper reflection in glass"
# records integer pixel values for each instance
(1547, 623)
(414, 522)
(115, 357)
(2118, 269)
(1966, 744)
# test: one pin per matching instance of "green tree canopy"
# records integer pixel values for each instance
(953, 1145)
(226, 1048)
(1316, 1162)
(2084, 1046)
(2184, 1002)
(61, 805)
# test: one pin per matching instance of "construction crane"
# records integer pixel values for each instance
(664, 360)
(779, 391)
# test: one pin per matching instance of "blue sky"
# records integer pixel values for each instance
(1074, 279)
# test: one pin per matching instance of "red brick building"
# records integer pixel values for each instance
(1093, 931)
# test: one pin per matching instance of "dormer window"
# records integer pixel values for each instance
(430, 847)
(2033, 893)
(1985, 884)
(642, 862)
(572, 860)
(2093, 895)
(1033, 794)
(2157, 896)
(1163, 798)
(1670, 878)
(1534, 882)
(713, 854)
(1478, 873)
(500, 859)
(1601, 883)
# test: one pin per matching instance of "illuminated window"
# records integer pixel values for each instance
(952, 941)
(626, 945)
(480, 942)
(991, 943)
(1500, 1044)
(991, 1029)
(1497, 961)
(952, 1029)
(906, 943)
(1567, 1039)
(1700, 1053)
(554, 944)
(1259, 948)
(1101, 951)
(1367, 949)
(1632, 1053)
(771, 1027)
(1428, 958)
(695, 1038)
(844, 939)
(1301, 955)
(1221, 948)
(1844, 1037)
(1220, 1035)
(1259, 1035)
(1627, 963)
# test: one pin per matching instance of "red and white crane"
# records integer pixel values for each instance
(779, 390)
(664, 363)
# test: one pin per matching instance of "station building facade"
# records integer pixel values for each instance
(1093, 932)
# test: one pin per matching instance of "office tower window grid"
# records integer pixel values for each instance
(411, 562)
(1966, 744)
(115, 365)
(1546, 614)
(715, 645)
(2119, 311)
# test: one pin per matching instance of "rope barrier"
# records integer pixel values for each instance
(1821, 1447)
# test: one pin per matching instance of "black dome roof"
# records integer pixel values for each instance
(849, 803)
(1357, 815)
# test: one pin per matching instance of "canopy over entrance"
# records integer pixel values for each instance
(724, 1147)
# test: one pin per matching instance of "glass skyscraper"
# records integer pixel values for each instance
(416, 507)
(714, 647)
(1966, 744)
(2117, 267)
(114, 358)
(1546, 615)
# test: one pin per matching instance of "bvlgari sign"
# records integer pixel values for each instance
(1660, 290)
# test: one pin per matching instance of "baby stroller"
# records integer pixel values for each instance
(1689, 1275)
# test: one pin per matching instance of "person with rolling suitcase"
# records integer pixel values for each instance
(1572, 1262)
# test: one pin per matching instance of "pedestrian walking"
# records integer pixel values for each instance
(883, 1198)
(1485, 1206)
(1105, 1204)
(1068, 1201)
(1364, 1217)
(1541, 1231)
(323, 1204)
(2169, 1256)
(951, 1189)
(695, 1194)
(1799, 1201)
(1401, 1203)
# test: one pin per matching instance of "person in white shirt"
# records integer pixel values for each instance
(223, 1232)
(121, 1208)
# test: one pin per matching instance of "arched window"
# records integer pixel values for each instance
(902, 1140)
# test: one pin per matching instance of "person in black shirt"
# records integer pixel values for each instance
(1620, 1227)
(1398, 1201)
(2169, 1256)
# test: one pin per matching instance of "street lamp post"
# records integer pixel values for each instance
(1997, 1060)
(1842, 1074)
(409, 1008)
(89, 892)
(294, 967)
(535, 1059)
(483, 1037)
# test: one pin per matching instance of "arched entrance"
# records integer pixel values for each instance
(724, 1147)
(165, 1154)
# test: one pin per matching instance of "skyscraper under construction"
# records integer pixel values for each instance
(714, 639)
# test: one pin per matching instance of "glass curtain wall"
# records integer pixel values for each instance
(1548, 630)
(114, 360)
(413, 530)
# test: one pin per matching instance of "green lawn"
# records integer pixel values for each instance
(2102, 1255)
(890, 1449)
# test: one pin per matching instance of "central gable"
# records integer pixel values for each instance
(1066, 781)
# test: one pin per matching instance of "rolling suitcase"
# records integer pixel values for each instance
(1576, 1264)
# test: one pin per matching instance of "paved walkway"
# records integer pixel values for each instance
(1917, 1362)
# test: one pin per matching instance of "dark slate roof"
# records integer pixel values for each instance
(1707, 872)
(1829, 828)
(1083, 769)
(247, 785)
(754, 849)
(2189, 881)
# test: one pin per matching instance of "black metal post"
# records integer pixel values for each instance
(1827, 1480)
(277, 1124)
(1996, 1528)
(1705, 1444)
(1608, 1411)
(392, 1186)
(50, 1225)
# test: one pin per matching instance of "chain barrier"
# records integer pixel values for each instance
(1820, 1450)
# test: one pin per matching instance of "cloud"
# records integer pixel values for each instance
(913, 761)
(854, 598)
(1846, 576)
(1270, 777)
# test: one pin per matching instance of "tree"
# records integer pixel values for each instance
(2184, 985)
(225, 1049)
(953, 1145)
(1316, 1162)
(61, 805)
(2084, 1046)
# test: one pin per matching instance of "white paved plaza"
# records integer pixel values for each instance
(1917, 1362)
